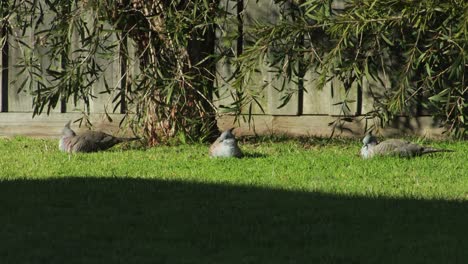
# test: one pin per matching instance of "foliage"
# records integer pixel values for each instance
(165, 83)
(403, 54)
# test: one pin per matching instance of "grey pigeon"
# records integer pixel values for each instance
(89, 141)
(225, 146)
(394, 147)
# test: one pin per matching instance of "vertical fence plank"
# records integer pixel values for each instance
(316, 100)
(103, 103)
(263, 84)
(4, 73)
(71, 106)
(19, 101)
(343, 102)
(133, 70)
(227, 45)
(42, 51)
(372, 90)
(258, 83)
(123, 69)
(262, 11)
(267, 11)
(278, 90)
(330, 99)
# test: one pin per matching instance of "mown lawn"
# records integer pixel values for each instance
(286, 202)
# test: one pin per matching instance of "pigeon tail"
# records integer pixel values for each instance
(428, 150)
(120, 140)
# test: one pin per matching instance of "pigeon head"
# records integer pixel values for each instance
(369, 139)
(227, 135)
(67, 131)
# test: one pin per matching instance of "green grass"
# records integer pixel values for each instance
(286, 202)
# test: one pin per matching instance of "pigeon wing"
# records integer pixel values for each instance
(399, 147)
(81, 143)
(389, 147)
(101, 140)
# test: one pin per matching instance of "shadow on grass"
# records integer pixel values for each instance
(96, 220)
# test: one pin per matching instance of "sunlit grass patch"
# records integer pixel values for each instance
(292, 201)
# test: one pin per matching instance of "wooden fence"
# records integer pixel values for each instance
(309, 112)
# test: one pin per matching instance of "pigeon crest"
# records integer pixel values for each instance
(369, 139)
(394, 147)
(89, 141)
(225, 146)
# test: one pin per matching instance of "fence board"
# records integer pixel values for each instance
(14, 124)
(223, 98)
(276, 93)
(372, 88)
(3, 49)
(339, 95)
(229, 46)
(18, 101)
(71, 106)
(112, 75)
(225, 44)
(103, 103)
(267, 11)
(133, 69)
(316, 101)
(42, 51)
(309, 125)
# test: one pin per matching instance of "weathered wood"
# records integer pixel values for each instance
(3, 70)
(75, 45)
(103, 103)
(227, 28)
(313, 125)
(19, 101)
(261, 126)
(343, 102)
(372, 90)
(278, 89)
(276, 86)
(15, 124)
(226, 44)
(317, 101)
(255, 84)
(223, 98)
(133, 73)
(42, 51)
(329, 100)
(46, 126)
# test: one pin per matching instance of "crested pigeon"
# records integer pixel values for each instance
(394, 147)
(89, 141)
(225, 146)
